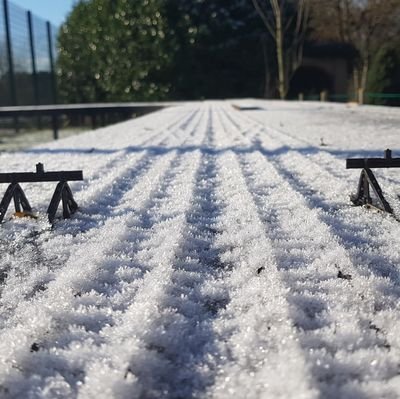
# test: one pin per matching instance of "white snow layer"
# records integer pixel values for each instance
(215, 254)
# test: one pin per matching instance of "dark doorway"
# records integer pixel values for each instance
(310, 81)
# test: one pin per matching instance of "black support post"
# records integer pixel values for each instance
(53, 79)
(52, 68)
(94, 120)
(33, 63)
(33, 58)
(54, 123)
(11, 73)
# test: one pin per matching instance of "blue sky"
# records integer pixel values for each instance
(53, 10)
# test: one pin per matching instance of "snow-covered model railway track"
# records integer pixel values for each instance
(343, 289)
(214, 255)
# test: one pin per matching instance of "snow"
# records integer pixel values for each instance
(215, 254)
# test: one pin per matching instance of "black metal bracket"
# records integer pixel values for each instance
(62, 192)
(363, 197)
(14, 191)
(368, 180)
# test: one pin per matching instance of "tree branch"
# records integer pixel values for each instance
(265, 19)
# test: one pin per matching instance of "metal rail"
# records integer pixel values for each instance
(92, 110)
(79, 109)
(26, 177)
(368, 163)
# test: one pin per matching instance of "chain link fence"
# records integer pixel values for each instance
(27, 53)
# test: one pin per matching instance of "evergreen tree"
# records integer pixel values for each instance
(384, 75)
(113, 51)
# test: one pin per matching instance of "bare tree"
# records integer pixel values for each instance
(286, 21)
(364, 24)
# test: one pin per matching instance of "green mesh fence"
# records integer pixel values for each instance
(26, 76)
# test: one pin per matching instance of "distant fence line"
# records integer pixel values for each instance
(27, 56)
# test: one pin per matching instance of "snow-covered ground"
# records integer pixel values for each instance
(216, 254)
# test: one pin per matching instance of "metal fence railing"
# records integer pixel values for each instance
(27, 53)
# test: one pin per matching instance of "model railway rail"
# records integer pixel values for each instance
(62, 192)
(368, 181)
